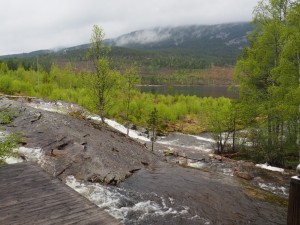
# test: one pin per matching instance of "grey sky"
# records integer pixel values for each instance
(28, 25)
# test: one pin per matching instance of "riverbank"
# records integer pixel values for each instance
(162, 188)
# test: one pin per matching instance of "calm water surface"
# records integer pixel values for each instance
(200, 91)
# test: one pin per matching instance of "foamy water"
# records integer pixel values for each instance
(3, 134)
(198, 143)
(197, 165)
(128, 206)
(268, 167)
(275, 189)
(49, 106)
(36, 155)
(64, 108)
(117, 126)
(30, 154)
(203, 139)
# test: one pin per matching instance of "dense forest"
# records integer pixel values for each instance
(269, 78)
(155, 68)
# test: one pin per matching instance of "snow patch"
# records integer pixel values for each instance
(268, 167)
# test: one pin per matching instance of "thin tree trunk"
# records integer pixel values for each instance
(153, 138)
(233, 134)
(298, 132)
(127, 110)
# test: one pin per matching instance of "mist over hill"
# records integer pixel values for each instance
(195, 37)
(222, 40)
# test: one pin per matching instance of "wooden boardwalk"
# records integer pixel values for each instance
(28, 195)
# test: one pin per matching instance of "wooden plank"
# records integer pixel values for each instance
(294, 202)
(28, 195)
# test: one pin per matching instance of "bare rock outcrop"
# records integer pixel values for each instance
(77, 147)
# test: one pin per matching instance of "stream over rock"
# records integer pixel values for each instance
(148, 189)
(76, 147)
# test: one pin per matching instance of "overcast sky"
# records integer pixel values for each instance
(28, 25)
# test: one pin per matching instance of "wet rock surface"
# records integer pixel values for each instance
(177, 151)
(209, 198)
(77, 147)
(210, 194)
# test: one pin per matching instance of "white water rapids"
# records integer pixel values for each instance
(128, 206)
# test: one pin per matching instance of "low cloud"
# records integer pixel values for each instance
(29, 25)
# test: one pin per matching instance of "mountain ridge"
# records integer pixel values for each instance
(196, 39)
(178, 34)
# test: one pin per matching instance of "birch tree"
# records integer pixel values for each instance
(103, 80)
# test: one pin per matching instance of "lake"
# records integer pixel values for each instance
(198, 90)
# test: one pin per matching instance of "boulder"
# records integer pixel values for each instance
(242, 174)
(170, 152)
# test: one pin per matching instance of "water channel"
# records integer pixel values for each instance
(207, 194)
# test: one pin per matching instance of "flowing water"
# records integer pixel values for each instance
(176, 195)
(134, 206)
(172, 194)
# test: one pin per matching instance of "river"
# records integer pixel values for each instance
(207, 194)
(177, 195)
(197, 90)
(185, 188)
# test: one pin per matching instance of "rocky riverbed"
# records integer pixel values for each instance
(157, 187)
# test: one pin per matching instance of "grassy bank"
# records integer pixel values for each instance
(188, 114)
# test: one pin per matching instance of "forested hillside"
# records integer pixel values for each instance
(181, 55)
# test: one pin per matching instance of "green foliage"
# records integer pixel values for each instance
(153, 119)
(5, 118)
(131, 80)
(3, 68)
(8, 143)
(269, 75)
(7, 115)
(104, 80)
(6, 84)
(68, 85)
